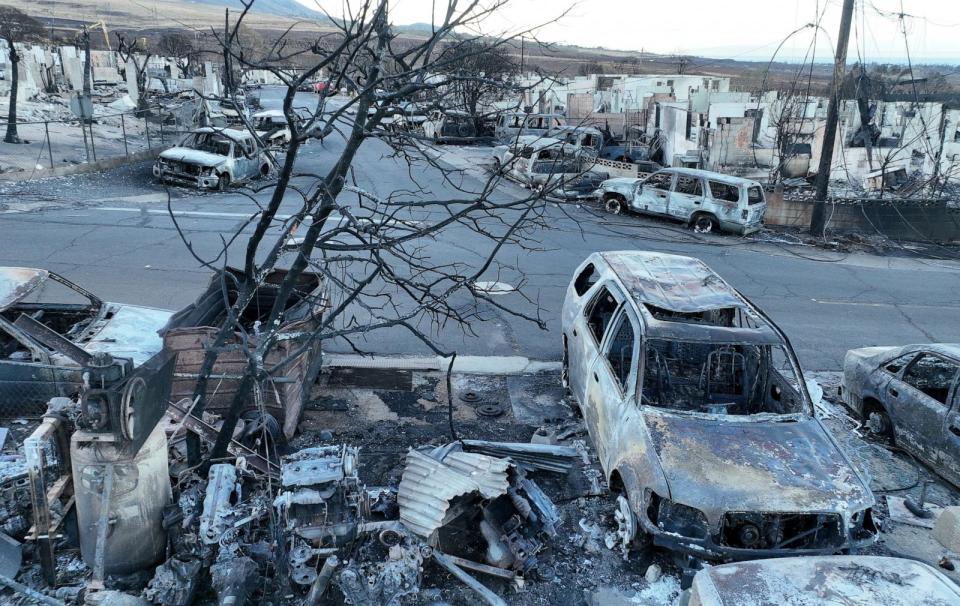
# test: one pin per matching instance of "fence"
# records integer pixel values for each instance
(49, 145)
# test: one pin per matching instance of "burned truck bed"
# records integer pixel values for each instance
(192, 330)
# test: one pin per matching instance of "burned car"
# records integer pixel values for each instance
(272, 128)
(705, 200)
(449, 126)
(700, 417)
(824, 580)
(548, 164)
(910, 395)
(213, 158)
(50, 327)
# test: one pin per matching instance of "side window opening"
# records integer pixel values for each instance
(660, 181)
(620, 355)
(689, 185)
(724, 192)
(932, 375)
(600, 313)
(894, 366)
(587, 278)
(754, 195)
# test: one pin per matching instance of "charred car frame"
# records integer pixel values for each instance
(700, 416)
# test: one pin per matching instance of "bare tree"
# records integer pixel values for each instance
(134, 52)
(374, 250)
(183, 48)
(480, 70)
(16, 27)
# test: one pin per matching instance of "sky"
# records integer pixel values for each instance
(725, 29)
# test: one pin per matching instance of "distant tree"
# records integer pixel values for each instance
(182, 48)
(16, 27)
(585, 69)
(476, 70)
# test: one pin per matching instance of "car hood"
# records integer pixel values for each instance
(718, 464)
(193, 156)
(126, 331)
(621, 182)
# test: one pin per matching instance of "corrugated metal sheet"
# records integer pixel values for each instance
(428, 486)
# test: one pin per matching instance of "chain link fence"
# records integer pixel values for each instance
(50, 144)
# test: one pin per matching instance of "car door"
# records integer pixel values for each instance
(586, 335)
(653, 195)
(919, 403)
(611, 386)
(686, 196)
(950, 452)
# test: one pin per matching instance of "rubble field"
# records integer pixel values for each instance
(372, 430)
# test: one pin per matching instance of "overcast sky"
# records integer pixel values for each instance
(738, 29)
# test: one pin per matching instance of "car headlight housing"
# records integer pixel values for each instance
(678, 519)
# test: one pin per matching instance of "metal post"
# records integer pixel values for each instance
(146, 127)
(46, 128)
(86, 146)
(92, 146)
(161, 131)
(818, 217)
(123, 127)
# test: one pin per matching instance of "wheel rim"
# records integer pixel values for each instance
(878, 423)
(613, 206)
(703, 225)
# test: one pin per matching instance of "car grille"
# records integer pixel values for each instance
(782, 530)
(182, 168)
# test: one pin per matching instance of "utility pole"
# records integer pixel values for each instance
(818, 218)
(521, 56)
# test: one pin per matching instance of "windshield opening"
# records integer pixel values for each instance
(209, 142)
(720, 378)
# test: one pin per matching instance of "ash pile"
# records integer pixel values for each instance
(100, 507)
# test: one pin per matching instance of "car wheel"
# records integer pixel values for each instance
(565, 368)
(614, 206)
(878, 423)
(704, 224)
(265, 171)
(497, 167)
(224, 183)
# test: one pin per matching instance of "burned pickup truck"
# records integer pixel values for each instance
(295, 358)
(50, 327)
(701, 420)
(213, 158)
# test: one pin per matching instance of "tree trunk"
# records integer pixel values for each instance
(12, 136)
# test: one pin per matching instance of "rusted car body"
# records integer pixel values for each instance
(823, 580)
(213, 158)
(912, 395)
(49, 325)
(544, 163)
(191, 331)
(700, 417)
(707, 201)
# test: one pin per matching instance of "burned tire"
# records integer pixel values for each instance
(704, 224)
(614, 205)
(878, 422)
(264, 171)
(224, 182)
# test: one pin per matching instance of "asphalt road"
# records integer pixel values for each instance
(111, 233)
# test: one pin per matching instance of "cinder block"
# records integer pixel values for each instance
(947, 528)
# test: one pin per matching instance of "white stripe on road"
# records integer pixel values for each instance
(219, 215)
(854, 303)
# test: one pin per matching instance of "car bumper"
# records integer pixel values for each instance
(742, 229)
(201, 181)
(706, 549)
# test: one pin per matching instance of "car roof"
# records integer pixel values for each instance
(270, 113)
(18, 282)
(678, 284)
(708, 174)
(951, 350)
(230, 133)
(847, 580)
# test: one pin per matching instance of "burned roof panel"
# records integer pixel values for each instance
(428, 486)
(672, 282)
(18, 282)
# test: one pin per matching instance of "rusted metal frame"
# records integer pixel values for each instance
(488, 596)
(41, 498)
(103, 524)
(207, 432)
(46, 128)
(484, 568)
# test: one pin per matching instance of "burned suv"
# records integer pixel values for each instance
(700, 417)
(213, 158)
